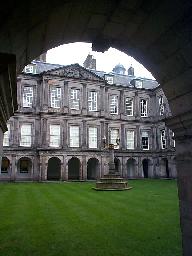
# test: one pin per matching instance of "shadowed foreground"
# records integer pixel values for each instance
(72, 219)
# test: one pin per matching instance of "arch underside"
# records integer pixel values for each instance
(156, 33)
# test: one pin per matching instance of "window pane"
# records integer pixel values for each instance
(114, 136)
(27, 96)
(54, 135)
(74, 136)
(114, 104)
(55, 96)
(92, 137)
(75, 99)
(130, 140)
(145, 140)
(92, 101)
(129, 106)
(143, 108)
(6, 136)
(163, 139)
(26, 135)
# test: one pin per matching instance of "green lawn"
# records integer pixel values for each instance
(72, 219)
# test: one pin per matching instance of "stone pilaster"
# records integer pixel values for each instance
(182, 127)
(65, 103)
(84, 102)
(102, 100)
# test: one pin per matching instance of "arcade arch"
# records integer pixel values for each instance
(92, 169)
(54, 169)
(74, 169)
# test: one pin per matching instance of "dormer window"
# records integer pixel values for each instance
(30, 69)
(138, 84)
(109, 79)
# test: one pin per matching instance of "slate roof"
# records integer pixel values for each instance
(123, 80)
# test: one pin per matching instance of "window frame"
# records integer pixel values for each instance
(130, 141)
(142, 141)
(94, 139)
(74, 144)
(113, 138)
(128, 106)
(6, 136)
(143, 109)
(75, 98)
(92, 101)
(114, 104)
(56, 99)
(22, 136)
(53, 136)
(27, 97)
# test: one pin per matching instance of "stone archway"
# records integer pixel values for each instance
(54, 169)
(5, 165)
(145, 166)
(166, 32)
(24, 166)
(165, 168)
(74, 169)
(117, 164)
(92, 169)
(131, 168)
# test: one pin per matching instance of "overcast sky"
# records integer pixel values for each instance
(77, 53)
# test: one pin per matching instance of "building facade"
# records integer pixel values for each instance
(65, 113)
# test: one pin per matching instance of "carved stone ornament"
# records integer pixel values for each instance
(75, 71)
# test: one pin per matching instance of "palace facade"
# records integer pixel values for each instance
(66, 113)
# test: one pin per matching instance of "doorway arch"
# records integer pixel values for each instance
(165, 168)
(92, 169)
(24, 165)
(74, 169)
(145, 165)
(117, 165)
(131, 168)
(54, 169)
(5, 165)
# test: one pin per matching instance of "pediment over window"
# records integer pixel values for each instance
(74, 71)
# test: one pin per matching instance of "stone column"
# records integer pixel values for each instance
(84, 101)
(102, 100)
(182, 126)
(84, 135)
(84, 168)
(1, 145)
(65, 103)
(122, 139)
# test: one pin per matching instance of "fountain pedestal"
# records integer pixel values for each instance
(112, 180)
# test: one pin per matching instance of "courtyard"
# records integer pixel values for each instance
(70, 218)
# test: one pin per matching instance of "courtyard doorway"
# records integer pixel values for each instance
(24, 165)
(117, 165)
(54, 169)
(74, 169)
(145, 164)
(92, 169)
(131, 168)
(165, 168)
(5, 165)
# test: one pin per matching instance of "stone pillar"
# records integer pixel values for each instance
(84, 134)
(65, 104)
(84, 101)
(1, 145)
(182, 127)
(62, 171)
(122, 139)
(64, 143)
(102, 100)
(84, 168)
